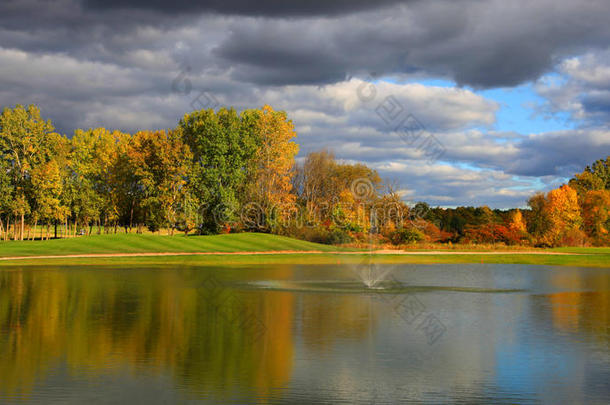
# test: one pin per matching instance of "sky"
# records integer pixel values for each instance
(462, 102)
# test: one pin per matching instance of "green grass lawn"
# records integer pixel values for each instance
(582, 250)
(597, 260)
(134, 243)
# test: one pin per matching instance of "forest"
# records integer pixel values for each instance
(228, 171)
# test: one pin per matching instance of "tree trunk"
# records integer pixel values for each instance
(131, 217)
(55, 229)
(15, 229)
(22, 226)
(1, 229)
(34, 230)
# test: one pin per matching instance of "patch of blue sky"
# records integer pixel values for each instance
(467, 166)
(521, 107)
(521, 111)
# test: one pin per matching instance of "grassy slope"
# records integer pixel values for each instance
(133, 243)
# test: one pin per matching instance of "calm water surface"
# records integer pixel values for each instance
(305, 334)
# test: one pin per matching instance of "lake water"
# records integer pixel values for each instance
(305, 334)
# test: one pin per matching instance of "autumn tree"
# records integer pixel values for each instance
(270, 176)
(485, 215)
(585, 182)
(596, 215)
(98, 183)
(314, 181)
(563, 213)
(517, 222)
(160, 161)
(322, 180)
(23, 145)
(594, 177)
(47, 188)
(539, 222)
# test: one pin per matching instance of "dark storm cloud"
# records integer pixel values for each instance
(597, 103)
(273, 8)
(478, 43)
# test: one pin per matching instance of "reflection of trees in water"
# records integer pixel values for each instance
(146, 321)
(585, 307)
(327, 318)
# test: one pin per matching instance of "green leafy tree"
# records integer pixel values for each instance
(601, 169)
(26, 141)
(594, 177)
(7, 199)
(81, 187)
(222, 154)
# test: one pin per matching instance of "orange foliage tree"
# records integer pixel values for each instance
(596, 215)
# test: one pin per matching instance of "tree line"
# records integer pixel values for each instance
(228, 171)
(574, 214)
(187, 178)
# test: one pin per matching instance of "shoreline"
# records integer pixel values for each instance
(288, 252)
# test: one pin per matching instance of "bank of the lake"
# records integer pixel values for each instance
(257, 248)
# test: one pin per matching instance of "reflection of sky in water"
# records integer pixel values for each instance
(520, 334)
(529, 366)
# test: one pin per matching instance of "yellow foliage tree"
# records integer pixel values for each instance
(563, 213)
(47, 185)
(159, 161)
(271, 186)
(517, 223)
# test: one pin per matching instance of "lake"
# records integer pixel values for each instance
(305, 334)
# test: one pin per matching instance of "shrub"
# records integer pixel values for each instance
(407, 235)
(495, 233)
(572, 237)
(338, 236)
